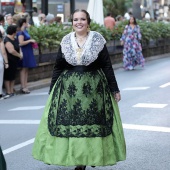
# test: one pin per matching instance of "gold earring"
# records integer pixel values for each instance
(88, 29)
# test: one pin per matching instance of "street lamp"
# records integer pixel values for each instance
(44, 6)
(28, 8)
(72, 6)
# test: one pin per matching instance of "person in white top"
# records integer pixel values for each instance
(2, 22)
(3, 63)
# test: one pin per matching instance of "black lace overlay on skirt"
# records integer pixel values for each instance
(81, 106)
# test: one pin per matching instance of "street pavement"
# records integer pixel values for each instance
(144, 108)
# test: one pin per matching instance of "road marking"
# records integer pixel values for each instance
(27, 108)
(125, 126)
(16, 147)
(37, 94)
(150, 105)
(147, 128)
(31, 122)
(136, 88)
(165, 85)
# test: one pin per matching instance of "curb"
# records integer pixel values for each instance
(46, 82)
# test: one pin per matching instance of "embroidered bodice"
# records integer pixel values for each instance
(93, 45)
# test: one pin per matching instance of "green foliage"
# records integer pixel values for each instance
(107, 34)
(116, 7)
(48, 36)
(154, 30)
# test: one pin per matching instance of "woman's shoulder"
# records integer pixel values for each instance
(67, 36)
(97, 35)
(6, 39)
(19, 33)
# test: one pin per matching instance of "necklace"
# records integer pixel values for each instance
(81, 38)
(80, 49)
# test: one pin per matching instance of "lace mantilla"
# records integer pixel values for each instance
(93, 45)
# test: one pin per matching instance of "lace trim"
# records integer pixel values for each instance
(93, 45)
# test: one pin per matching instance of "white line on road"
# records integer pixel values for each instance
(147, 128)
(136, 88)
(16, 147)
(150, 105)
(38, 94)
(27, 108)
(125, 126)
(165, 85)
(32, 122)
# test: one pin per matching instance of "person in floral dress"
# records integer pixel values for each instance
(132, 51)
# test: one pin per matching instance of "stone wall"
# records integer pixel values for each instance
(46, 61)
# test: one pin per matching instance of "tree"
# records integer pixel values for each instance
(116, 7)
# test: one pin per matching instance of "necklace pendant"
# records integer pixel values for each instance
(79, 52)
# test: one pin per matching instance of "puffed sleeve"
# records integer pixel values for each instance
(58, 68)
(106, 66)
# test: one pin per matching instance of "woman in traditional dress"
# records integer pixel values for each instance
(81, 124)
(132, 51)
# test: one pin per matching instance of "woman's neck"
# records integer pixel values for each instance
(11, 37)
(81, 35)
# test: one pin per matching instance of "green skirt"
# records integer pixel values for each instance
(81, 124)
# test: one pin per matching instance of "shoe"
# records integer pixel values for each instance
(24, 91)
(1, 97)
(80, 168)
(131, 68)
(7, 96)
(12, 94)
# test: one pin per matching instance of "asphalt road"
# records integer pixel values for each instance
(145, 112)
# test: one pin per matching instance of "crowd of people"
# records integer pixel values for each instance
(16, 53)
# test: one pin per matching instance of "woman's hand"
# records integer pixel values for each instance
(117, 96)
(21, 56)
(32, 41)
(122, 42)
(6, 65)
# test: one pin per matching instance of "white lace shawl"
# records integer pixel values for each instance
(93, 45)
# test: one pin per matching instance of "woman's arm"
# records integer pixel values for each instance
(58, 68)
(124, 35)
(139, 33)
(4, 55)
(106, 65)
(22, 42)
(11, 50)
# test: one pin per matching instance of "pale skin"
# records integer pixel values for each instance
(24, 71)
(9, 19)
(4, 55)
(80, 26)
(9, 85)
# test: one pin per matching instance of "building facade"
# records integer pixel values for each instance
(158, 9)
(62, 7)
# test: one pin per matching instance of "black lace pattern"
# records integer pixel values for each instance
(81, 106)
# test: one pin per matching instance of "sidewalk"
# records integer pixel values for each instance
(46, 82)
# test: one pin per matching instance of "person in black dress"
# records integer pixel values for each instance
(14, 55)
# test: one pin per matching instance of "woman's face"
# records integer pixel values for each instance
(131, 20)
(80, 23)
